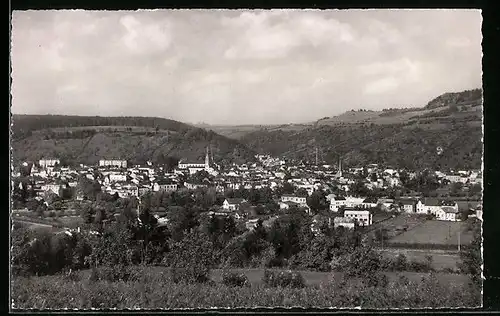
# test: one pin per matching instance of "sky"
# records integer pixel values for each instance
(236, 67)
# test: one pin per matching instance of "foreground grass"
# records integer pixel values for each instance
(156, 291)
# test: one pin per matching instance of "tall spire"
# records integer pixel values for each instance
(339, 172)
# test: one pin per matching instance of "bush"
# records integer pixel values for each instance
(235, 279)
(283, 279)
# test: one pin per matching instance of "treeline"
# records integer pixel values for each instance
(456, 98)
(24, 124)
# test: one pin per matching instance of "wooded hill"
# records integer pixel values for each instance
(83, 139)
(398, 137)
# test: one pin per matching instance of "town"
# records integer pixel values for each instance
(348, 197)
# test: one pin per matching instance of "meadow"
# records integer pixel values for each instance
(435, 232)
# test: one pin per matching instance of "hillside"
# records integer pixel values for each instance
(395, 145)
(398, 137)
(448, 108)
(88, 139)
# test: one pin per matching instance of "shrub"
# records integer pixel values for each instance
(376, 280)
(283, 279)
(235, 279)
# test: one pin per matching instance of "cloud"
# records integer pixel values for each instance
(238, 67)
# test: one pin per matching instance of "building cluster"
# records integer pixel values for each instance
(117, 176)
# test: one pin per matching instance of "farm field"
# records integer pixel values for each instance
(392, 225)
(440, 259)
(435, 232)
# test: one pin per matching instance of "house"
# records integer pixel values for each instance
(447, 213)
(113, 163)
(287, 205)
(164, 186)
(336, 203)
(428, 206)
(51, 187)
(369, 203)
(329, 197)
(233, 204)
(293, 198)
(452, 204)
(346, 222)
(363, 217)
(44, 163)
(408, 205)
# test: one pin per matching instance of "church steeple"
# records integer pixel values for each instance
(339, 172)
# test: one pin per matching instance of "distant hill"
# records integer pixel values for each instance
(410, 146)
(447, 107)
(137, 139)
(399, 137)
(467, 97)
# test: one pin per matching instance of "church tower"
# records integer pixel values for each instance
(207, 160)
(339, 172)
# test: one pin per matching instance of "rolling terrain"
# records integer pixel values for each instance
(398, 137)
(88, 139)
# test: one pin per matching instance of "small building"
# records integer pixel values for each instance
(447, 213)
(113, 163)
(293, 198)
(346, 222)
(233, 204)
(363, 217)
(44, 163)
(428, 206)
(408, 205)
(165, 186)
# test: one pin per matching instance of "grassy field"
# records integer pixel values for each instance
(435, 232)
(440, 259)
(152, 288)
(409, 221)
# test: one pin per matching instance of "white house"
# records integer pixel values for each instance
(50, 187)
(44, 163)
(447, 213)
(336, 203)
(346, 222)
(293, 198)
(233, 204)
(428, 206)
(113, 163)
(408, 206)
(363, 217)
(165, 186)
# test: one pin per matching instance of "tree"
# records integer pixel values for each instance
(471, 258)
(373, 177)
(192, 258)
(317, 201)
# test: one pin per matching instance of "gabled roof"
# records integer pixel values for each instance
(431, 202)
(408, 202)
(448, 209)
(370, 200)
(235, 200)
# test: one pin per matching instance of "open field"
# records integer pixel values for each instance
(435, 232)
(440, 259)
(408, 221)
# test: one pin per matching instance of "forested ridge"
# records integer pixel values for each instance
(78, 139)
(395, 145)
